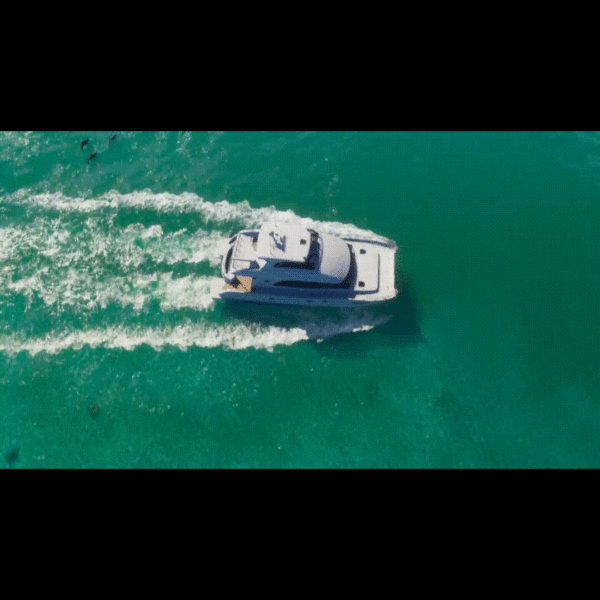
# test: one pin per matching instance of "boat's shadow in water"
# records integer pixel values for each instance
(348, 331)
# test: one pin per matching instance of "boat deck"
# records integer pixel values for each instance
(243, 284)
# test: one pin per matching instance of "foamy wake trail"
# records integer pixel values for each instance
(231, 336)
(76, 266)
(187, 202)
(61, 243)
(81, 291)
(234, 337)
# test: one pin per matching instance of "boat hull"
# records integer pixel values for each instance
(218, 292)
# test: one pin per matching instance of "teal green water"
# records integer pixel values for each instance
(113, 355)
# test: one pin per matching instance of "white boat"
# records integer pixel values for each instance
(292, 264)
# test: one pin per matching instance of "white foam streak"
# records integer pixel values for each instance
(218, 212)
(234, 337)
(82, 291)
(165, 202)
(96, 242)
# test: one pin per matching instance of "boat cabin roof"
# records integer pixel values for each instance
(292, 243)
(287, 241)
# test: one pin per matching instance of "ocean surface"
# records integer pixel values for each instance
(113, 354)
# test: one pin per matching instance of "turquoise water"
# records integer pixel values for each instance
(113, 355)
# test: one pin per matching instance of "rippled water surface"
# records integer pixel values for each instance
(113, 354)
